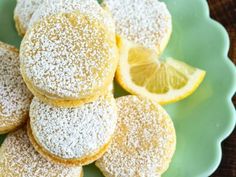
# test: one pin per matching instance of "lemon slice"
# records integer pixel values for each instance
(141, 73)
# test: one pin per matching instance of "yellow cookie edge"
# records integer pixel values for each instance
(19, 27)
(68, 162)
(24, 116)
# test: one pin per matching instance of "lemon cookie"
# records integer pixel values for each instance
(146, 23)
(27, 12)
(88, 7)
(144, 142)
(73, 136)
(18, 158)
(15, 97)
(68, 57)
(23, 12)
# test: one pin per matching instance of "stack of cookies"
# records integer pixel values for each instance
(58, 92)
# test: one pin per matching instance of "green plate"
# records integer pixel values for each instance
(204, 119)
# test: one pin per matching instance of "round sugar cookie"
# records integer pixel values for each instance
(19, 159)
(23, 12)
(73, 136)
(144, 141)
(15, 98)
(68, 57)
(27, 12)
(147, 23)
(88, 7)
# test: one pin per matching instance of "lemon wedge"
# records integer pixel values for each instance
(141, 73)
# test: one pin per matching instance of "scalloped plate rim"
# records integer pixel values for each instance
(227, 132)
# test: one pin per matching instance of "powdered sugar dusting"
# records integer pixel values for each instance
(24, 11)
(19, 159)
(30, 11)
(143, 143)
(15, 97)
(145, 22)
(74, 132)
(88, 7)
(68, 55)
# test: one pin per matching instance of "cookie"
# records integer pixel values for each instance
(15, 98)
(144, 141)
(73, 136)
(23, 12)
(88, 7)
(18, 158)
(27, 12)
(68, 57)
(146, 23)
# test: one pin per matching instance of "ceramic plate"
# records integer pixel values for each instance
(204, 119)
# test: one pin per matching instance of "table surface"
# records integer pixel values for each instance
(224, 11)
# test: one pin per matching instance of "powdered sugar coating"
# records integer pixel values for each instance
(15, 97)
(144, 141)
(19, 159)
(24, 10)
(145, 22)
(88, 7)
(68, 56)
(73, 133)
